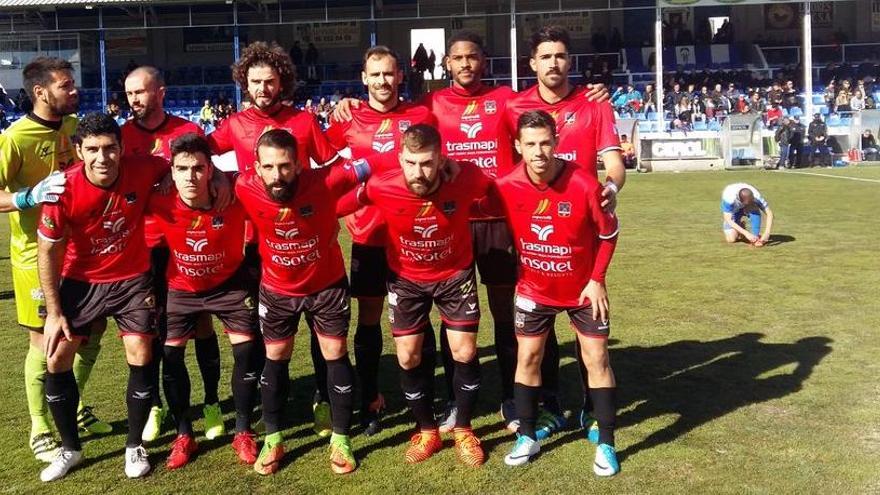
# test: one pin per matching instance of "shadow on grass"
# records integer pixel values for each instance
(700, 381)
(779, 239)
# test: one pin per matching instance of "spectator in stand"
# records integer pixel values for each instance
(628, 152)
(311, 60)
(818, 134)
(206, 114)
(857, 102)
(684, 115)
(322, 111)
(618, 100)
(296, 54)
(829, 95)
(841, 101)
(783, 138)
(790, 97)
(773, 116)
(741, 104)
(774, 95)
(420, 59)
(309, 106)
(432, 63)
(708, 106)
(870, 152)
(650, 100)
(23, 102)
(633, 99)
(3, 122)
(673, 97)
(796, 151)
(113, 109)
(870, 104)
(756, 102)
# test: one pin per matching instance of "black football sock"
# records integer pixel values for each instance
(467, 388)
(62, 396)
(605, 412)
(414, 386)
(585, 383)
(367, 353)
(320, 364)
(155, 369)
(505, 349)
(177, 387)
(139, 399)
(244, 382)
(448, 363)
(208, 357)
(550, 375)
(275, 383)
(340, 376)
(526, 402)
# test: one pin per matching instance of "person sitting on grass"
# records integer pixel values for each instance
(741, 200)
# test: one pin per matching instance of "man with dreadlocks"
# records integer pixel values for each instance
(267, 75)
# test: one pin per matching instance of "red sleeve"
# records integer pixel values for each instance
(489, 205)
(52, 221)
(221, 140)
(160, 168)
(336, 135)
(340, 179)
(607, 229)
(606, 130)
(352, 201)
(322, 151)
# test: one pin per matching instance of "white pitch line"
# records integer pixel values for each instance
(860, 179)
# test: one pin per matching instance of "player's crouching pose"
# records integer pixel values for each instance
(97, 228)
(293, 210)
(205, 276)
(565, 243)
(430, 258)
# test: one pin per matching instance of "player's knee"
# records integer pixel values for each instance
(279, 351)
(731, 236)
(409, 360)
(596, 359)
(138, 350)
(332, 348)
(464, 353)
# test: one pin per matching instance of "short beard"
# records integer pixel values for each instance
(60, 111)
(285, 194)
(429, 187)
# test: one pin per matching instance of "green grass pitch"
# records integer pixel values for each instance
(740, 370)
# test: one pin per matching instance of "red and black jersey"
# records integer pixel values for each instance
(104, 227)
(585, 129)
(140, 141)
(298, 238)
(372, 132)
(241, 131)
(207, 246)
(562, 235)
(429, 237)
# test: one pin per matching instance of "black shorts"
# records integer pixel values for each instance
(533, 319)
(231, 302)
(494, 252)
(369, 270)
(329, 309)
(252, 265)
(159, 257)
(409, 303)
(132, 303)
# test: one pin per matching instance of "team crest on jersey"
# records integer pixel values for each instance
(217, 222)
(306, 211)
(449, 207)
(490, 107)
(383, 139)
(564, 209)
(48, 222)
(403, 125)
(569, 118)
(519, 320)
(542, 210)
(131, 198)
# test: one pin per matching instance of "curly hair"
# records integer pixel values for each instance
(260, 53)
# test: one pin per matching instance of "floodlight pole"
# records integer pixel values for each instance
(658, 67)
(808, 60)
(103, 57)
(514, 77)
(236, 51)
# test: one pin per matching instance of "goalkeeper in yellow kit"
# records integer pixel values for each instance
(32, 150)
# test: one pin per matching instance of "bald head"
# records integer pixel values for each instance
(145, 91)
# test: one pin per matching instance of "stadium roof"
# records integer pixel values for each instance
(51, 3)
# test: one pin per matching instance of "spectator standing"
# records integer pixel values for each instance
(311, 60)
(818, 134)
(296, 54)
(432, 62)
(783, 138)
